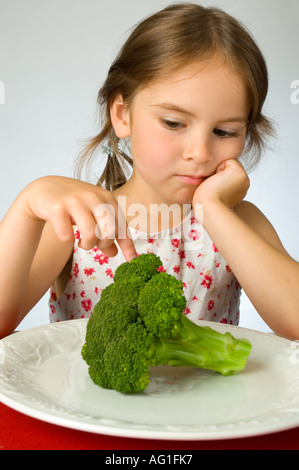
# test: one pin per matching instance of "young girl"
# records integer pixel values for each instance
(185, 94)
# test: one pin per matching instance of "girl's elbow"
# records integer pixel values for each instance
(8, 324)
(288, 330)
(5, 331)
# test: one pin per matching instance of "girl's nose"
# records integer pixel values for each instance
(198, 149)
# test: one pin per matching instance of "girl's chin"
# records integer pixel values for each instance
(185, 195)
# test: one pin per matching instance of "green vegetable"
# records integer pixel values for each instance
(139, 323)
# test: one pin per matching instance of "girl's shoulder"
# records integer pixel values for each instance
(254, 217)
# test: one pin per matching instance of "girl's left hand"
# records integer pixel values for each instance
(229, 185)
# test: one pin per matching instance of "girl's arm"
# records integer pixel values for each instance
(31, 257)
(36, 240)
(251, 247)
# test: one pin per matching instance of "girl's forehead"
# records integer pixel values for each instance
(200, 71)
(205, 76)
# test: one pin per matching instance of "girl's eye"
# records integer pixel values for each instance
(225, 134)
(172, 125)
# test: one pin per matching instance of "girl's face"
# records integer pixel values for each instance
(182, 127)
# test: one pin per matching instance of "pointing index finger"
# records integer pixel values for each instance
(112, 225)
(127, 247)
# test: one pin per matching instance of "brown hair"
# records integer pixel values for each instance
(162, 44)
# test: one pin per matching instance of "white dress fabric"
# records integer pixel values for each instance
(186, 251)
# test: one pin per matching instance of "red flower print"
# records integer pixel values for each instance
(109, 272)
(82, 293)
(101, 258)
(76, 270)
(53, 309)
(207, 281)
(194, 297)
(228, 270)
(193, 220)
(77, 235)
(74, 295)
(214, 248)
(224, 320)
(175, 242)
(187, 310)
(150, 240)
(53, 296)
(194, 235)
(189, 264)
(182, 254)
(161, 269)
(87, 305)
(89, 271)
(96, 290)
(211, 305)
(176, 269)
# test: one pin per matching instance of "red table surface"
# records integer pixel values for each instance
(21, 432)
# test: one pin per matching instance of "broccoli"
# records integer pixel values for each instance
(139, 323)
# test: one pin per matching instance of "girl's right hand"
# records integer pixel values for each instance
(229, 185)
(65, 202)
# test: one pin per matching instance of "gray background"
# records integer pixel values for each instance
(54, 55)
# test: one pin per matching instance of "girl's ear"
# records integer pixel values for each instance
(120, 119)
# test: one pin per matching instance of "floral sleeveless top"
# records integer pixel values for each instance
(186, 251)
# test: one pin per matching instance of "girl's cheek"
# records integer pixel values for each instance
(232, 151)
(240, 144)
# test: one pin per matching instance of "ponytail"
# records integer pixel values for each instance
(118, 163)
(114, 175)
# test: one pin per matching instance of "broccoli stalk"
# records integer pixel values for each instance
(202, 346)
(139, 323)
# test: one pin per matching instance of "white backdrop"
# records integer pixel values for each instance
(53, 58)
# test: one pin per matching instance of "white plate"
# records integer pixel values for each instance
(42, 375)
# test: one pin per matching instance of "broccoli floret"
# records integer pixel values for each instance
(144, 266)
(126, 362)
(139, 323)
(160, 305)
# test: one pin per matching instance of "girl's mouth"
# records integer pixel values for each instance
(192, 180)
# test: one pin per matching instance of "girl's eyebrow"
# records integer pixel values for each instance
(236, 119)
(174, 107)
